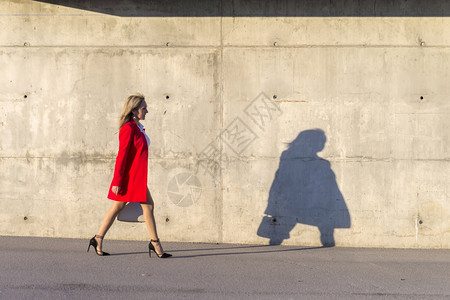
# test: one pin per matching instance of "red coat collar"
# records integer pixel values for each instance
(134, 122)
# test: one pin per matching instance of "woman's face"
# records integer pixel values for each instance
(141, 111)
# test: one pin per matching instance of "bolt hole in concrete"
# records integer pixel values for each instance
(275, 44)
(274, 97)
(274, 220)
(167, 220)
(167, 97)
(421, 97)
(25, 218)
(167, 44)
(26, 44)
(420, 222)
(25, 96)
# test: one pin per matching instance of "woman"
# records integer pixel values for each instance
(130, 175)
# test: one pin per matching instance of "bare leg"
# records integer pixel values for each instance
(108, 220)
(147, 209)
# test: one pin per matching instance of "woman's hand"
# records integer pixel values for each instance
(115, 189)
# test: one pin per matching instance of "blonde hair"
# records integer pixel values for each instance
(132, 103)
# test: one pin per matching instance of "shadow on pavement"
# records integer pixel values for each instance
(215, 251)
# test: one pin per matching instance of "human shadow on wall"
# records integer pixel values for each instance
(304, 191)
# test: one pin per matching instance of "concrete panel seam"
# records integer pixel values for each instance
(259, 47)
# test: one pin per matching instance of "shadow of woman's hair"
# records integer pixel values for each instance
(308, 143)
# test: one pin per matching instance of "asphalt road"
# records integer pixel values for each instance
(44, 268)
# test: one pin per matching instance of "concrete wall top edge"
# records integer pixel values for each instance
(222, 23)
(217, 8)
(227, 32)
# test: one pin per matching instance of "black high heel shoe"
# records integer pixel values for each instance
(151, 247)
(94, 244)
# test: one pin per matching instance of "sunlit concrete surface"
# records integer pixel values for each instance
(271, 122)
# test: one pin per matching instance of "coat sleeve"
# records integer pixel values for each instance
(125, 140)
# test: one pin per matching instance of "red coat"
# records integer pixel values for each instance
(130, 172)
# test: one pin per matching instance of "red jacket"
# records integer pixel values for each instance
(130, 172)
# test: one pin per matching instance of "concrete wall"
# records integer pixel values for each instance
(294, 122)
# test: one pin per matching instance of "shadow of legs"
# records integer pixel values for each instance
(327, 236)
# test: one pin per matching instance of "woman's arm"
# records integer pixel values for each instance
(125, 140)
